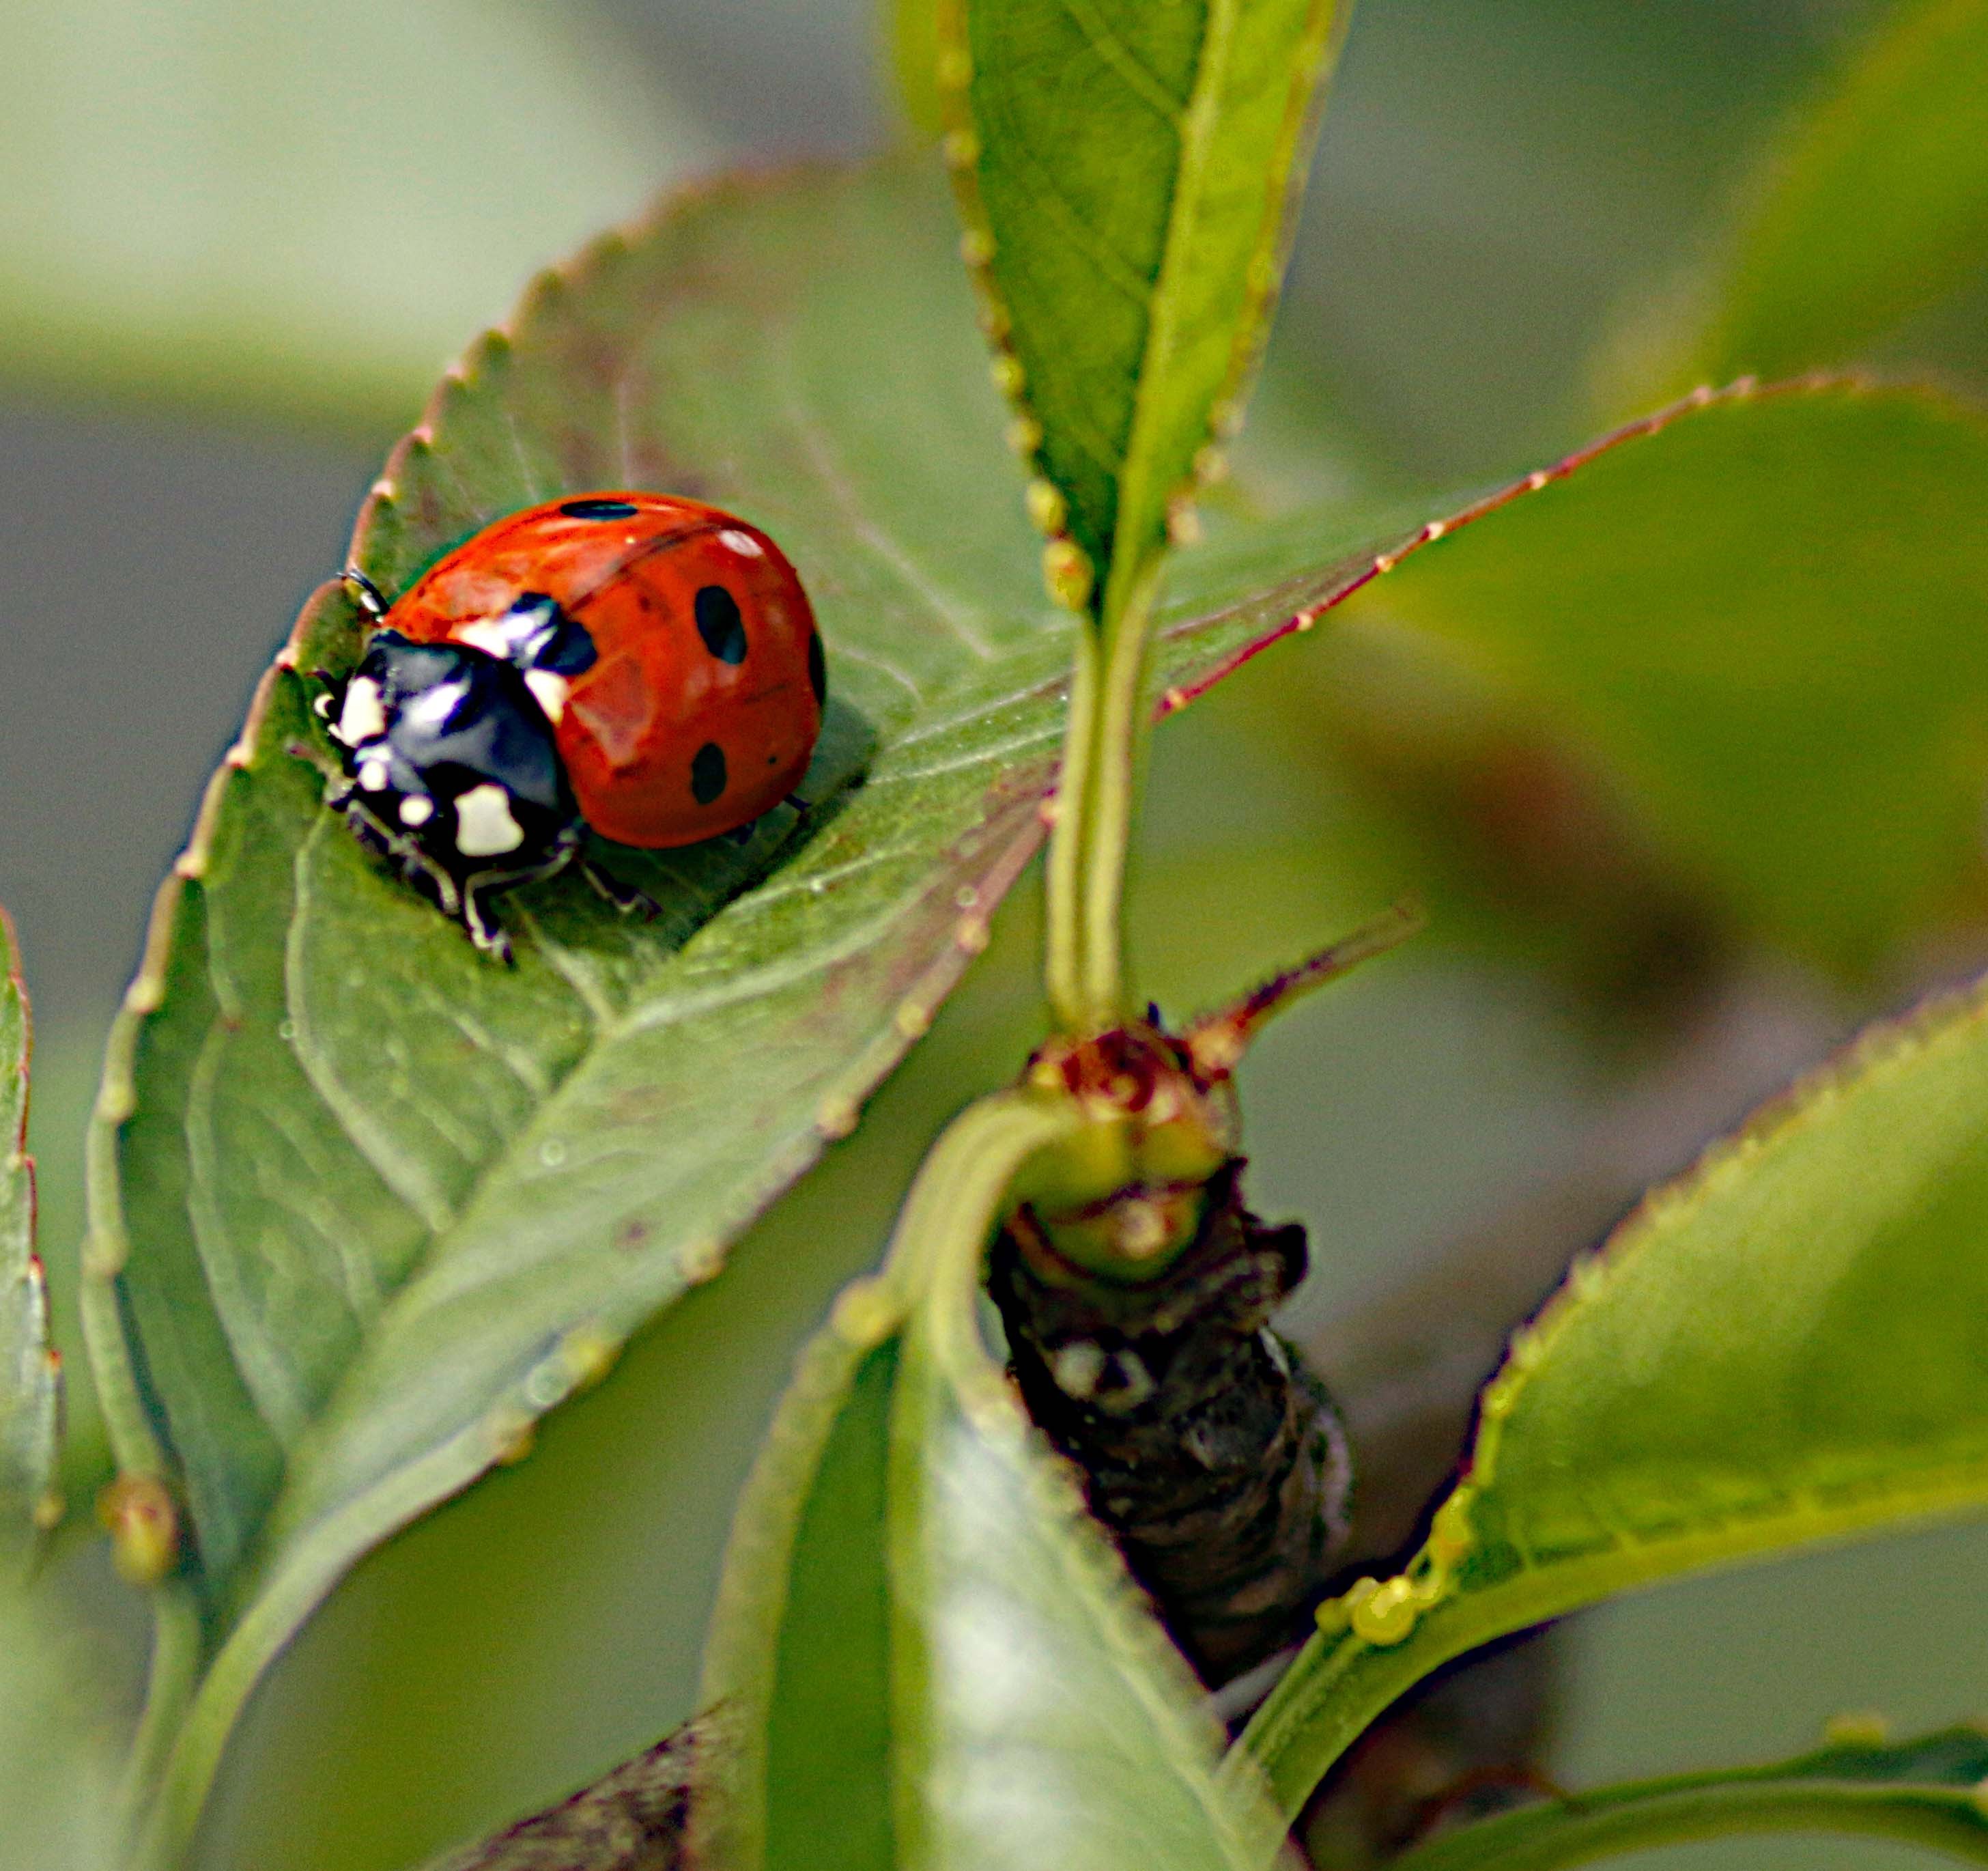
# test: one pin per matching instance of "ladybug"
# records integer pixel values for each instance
(641, 666)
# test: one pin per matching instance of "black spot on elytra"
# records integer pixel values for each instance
(598, 510)
(719, 624)
(706, 773)
(817, 668)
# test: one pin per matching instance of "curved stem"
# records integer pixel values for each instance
(1634, 1818)
(954, 1203)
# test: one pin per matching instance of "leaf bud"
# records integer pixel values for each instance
(138, 1513)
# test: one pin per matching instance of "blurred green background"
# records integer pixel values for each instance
(238, 243)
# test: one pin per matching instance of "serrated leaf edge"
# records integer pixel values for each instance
(1382, 1615)
(1072, 581)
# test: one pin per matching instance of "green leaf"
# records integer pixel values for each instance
(984, 1687)
(1789, 1344)
(1871, 203)
(367, 1207)
(30, 1373)
(1765, 618)
(1925, 1792)
(301, 208)
(1126, 173)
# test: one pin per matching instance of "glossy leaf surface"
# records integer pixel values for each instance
(30, 1377)
(1787, 1345)
(926, 1653)
(1926, 1792)
(1125, 172)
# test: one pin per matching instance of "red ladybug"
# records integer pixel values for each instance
(642, 665)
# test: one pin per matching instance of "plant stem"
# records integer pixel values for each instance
(1096, 800)
(175, 1672)
(1065, 905)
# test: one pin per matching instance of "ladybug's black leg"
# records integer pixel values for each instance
(484, 930)
(625, 897)
(476, 915)
(365, 593)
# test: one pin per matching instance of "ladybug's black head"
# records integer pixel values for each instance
(452, 769)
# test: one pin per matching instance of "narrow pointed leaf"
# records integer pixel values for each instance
(1926, 1792)
(1871, 203)
(1789, 1344)
(1126, 172)
(30, 1375)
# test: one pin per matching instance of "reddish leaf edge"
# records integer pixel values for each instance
(1706, 396)
(18, 1158)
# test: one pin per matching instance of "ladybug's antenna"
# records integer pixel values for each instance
(366, 593)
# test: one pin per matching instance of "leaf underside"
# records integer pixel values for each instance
(1768, 635)
(1789, 1344)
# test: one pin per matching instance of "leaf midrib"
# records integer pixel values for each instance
(1196, 131)
(445, 1239)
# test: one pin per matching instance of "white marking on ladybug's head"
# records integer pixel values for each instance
(432, 708)
(484, 826)
(551, 691)
(363, 718)
(416, 809)
(742, 544)
(372, 775)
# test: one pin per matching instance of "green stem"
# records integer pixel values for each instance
(955, 1202)
(1065, 905)
(169, 1692)
(1096, 800)
(1632, 1819)
(1306, 1725)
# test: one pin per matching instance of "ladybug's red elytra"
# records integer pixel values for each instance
(641, 665)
